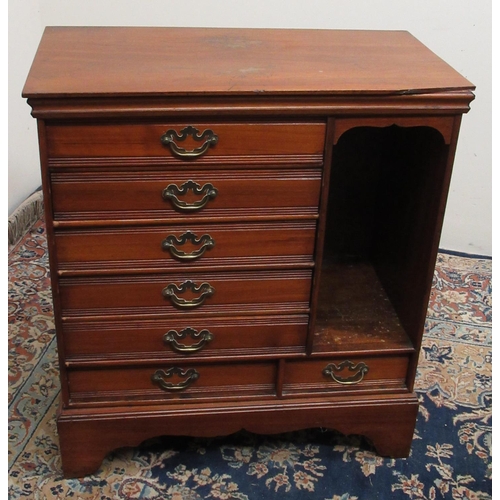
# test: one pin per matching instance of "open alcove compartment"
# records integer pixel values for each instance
(383, 219)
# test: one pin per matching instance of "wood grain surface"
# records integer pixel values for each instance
(80, 61)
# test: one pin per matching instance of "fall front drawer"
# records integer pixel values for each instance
(189, 140)
(181, 337)
(173, 295)
(186, 246)
(162, 382)
(179, 194)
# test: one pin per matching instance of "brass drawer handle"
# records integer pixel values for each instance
(159, 377)
(171, 192)
(169, 292)
(169, 243)
(170, 136)
(361, 370)
(171, 339)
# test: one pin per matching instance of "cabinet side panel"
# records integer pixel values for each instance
(405, 258)
(48, 211)
(434, 226)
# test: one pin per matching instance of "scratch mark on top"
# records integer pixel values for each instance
(232, 42)
(250, 70)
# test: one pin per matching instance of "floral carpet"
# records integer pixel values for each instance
(451, 452)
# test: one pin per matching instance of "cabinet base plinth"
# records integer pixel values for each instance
(87, 436)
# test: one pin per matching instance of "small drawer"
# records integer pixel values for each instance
(186, 247)
(186, 295)
(346, 374)
(183, 338)
(172, 382)
(178, 195)
(184, 141)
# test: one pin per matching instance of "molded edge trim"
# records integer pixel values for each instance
(452, 102)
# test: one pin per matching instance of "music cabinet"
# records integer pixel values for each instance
(242, 226)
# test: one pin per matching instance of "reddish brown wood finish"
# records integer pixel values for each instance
(332, 165)
(96, 140)
(444, 103)
(133, 385)
(142, 295)
(138, 195)
(86, 437)
(234, 246)
(123, 341)
(307, 377)
(179, 61)
(444, 124)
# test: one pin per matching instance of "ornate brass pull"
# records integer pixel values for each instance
(361, 370)
(159, 377)
(171, 337)
(169, 292)
(169, 243)
(171, 192)
(170, 136)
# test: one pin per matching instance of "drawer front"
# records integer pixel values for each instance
(186, 246)
(170, 382)
(345, 374)
(203, 293)
(181, 338)
(145, 140)
(132, 195)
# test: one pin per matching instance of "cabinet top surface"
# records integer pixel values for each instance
(85, 61)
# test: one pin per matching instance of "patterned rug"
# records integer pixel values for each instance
(451, 452)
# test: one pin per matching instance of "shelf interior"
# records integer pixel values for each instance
(379, 239)
(354, 311)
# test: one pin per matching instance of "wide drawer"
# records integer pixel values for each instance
(164, 382)
(181, 338)
(187, 294)
(193, 193)
(186, 246)
(144, 139)
(346, 373)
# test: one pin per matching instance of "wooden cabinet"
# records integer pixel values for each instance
(242, 226)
